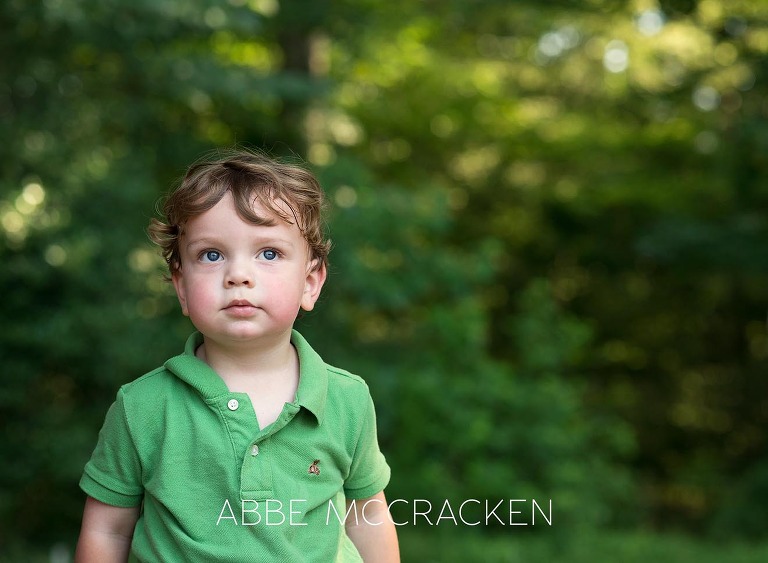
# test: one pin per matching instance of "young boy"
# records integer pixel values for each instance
(246, 446)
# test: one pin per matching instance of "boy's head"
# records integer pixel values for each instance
(287, 191)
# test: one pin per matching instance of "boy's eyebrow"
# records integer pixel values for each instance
(203, 241)
(200, 241)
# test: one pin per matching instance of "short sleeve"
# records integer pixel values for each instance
(369, 473)
(113, 474)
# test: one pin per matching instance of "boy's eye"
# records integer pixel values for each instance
(270, 254)
(210, 256)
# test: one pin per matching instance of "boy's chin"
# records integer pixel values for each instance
(248, 335)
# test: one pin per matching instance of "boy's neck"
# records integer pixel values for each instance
(272, 359)
(268, 375)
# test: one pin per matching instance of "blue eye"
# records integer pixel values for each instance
(270, 255)
(210, 256)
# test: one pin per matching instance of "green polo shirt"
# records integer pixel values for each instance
(217, 487)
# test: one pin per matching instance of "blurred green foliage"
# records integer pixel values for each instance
(549, 224)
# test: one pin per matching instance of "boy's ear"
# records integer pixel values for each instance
(180, 291)
(316, 275)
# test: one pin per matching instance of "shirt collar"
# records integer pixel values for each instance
(194, 371)
(313, 379)
(313, 376)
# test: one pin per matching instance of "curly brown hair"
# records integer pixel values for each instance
(251, 177)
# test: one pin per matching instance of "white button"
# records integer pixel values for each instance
(255, 450)
(233, 404)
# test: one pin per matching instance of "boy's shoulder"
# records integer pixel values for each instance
(342, 376)
(157, 376)
(313, 365)
(183, 376)
(347, 389)
(160, 379)
(152, 385)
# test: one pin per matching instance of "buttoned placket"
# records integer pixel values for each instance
(256, 479)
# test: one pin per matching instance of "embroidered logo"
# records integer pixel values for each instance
(314, 469)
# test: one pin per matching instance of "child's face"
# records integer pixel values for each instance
(241, 282)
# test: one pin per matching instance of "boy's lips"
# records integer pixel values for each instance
(240, 307)
(239, 303)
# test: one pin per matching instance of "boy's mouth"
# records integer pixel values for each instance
(240, 307)
(239, 303)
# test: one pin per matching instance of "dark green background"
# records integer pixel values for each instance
(550, 254)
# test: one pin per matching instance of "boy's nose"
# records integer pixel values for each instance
(235, 281)
(238, 275)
